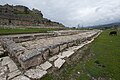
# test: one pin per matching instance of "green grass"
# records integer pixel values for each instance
(7, 31)
(107, 51)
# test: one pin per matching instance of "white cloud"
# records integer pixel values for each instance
(73, 12)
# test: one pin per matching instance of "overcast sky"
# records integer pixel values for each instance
(74, 12)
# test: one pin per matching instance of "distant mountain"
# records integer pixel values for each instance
(116, 24)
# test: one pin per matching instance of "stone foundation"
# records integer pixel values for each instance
(40, 50)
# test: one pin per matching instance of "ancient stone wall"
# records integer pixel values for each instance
(32, 53)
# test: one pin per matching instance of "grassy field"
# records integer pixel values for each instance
(101, 60)
(8, 31)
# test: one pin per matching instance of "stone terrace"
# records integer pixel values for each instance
(43, 53)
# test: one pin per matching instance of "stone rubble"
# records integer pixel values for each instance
(8, 68)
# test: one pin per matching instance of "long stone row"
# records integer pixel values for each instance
(28, 37)
(41, 50)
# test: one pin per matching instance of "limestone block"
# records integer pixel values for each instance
(59, 62)
(6, 60)
(13, 74)
(53, 58)
(35, 73)
(66, 54)
(21, 77)
(46, 65)
(13, 48)
(12, 66)
(30, 58)
(3, 71)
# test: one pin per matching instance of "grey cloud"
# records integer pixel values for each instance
(73, 12)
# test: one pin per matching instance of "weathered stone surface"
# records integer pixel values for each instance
(66, 54)
(13, 48)
(53, 58)
(10, 63)
(13, 74)
(12, 66)
(30, 58)
(46, 65)
(3, 77)
(6, 60)
(3, 71)
(1, 53)
(59, 62)
(35, 73)
(32, 53)
(21, 77)
(33, 57)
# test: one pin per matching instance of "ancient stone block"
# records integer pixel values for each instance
(13, 48)
(30, 58)
(59, 62)
(66, 54)
(13, 74)
(53, 58)
(46, 65)
(6, 60)
(12, 66)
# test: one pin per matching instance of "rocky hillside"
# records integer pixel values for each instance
(22, 15)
